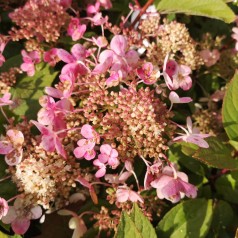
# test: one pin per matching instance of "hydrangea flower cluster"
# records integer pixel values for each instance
(110, 109)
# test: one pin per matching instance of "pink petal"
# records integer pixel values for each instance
(119, 44)
(106, 149)
(45, 117)
(60, 148)
(185, 99)
(103, 158)
(184, 70)
(134, 197)
(132, 58)
(196, 139)
(122, 195)
(20, 225)
(44, 130)
(186, 83)
(10, 217)
(79, 52)
(5, 147)
(189, 190)
(79, 152)
(90, 154)
(14, 157)
(174, 97)
(53, 92)
(36, 212)
(171, 68)
(105, 60)
(87, 131)
(101, 172)
(48, 143)
(65, 56)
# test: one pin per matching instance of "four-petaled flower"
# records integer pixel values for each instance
(86, 146)
(124, 194)
(30, 59)
(20, 214)
(173, 185)
(11, 147)
(192, 135)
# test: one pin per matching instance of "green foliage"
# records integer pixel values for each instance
(218, 155)
(188, 219)
(2, 235)
(210, 8)
(227, 187)
(230, 109)
(135, 225)
(28, 90)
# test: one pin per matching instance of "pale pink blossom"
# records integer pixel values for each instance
(19, 216)
(50, 140)
(148, 73)
(173, 185)
(117, 58)
(124, 194)
(152, 172)
(108, 155)
(68, 81)
(11, 147)
(51, 57)
(100, 41)
(3, 208)
(75, 61)
(210, 57)
(5, 100)
(52, 113)
(75, 29)
(176, 76)
(101, 168)
(86, 146)
(192, 135)
(30, 59)
(2, 47)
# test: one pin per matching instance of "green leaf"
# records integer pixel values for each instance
(188, 219)
(28, 90)
(218, 155)
(227, 187)
(230, 109)
(210, 8)
(234, 144)
(14, 61)
(136, 225)
(2, 235)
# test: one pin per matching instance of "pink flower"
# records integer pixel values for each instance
(53, 112)
(174, 98)
(51, 57)
(210, 57)
(68, 80)
(30, 59)
(108, 155)
(86, 146)
(50, 140)
(101, 41)
(118, 58)
(3, 208)
(124, 194)
(192, 135)
(173, 185)
(148, 74)
(75, 29)
(12, 147)
(152, 173)
(182, 78)
(65, 3)
(75, 60)
(176, 75)
(101, 168)
(19, 216)
(5, 100)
